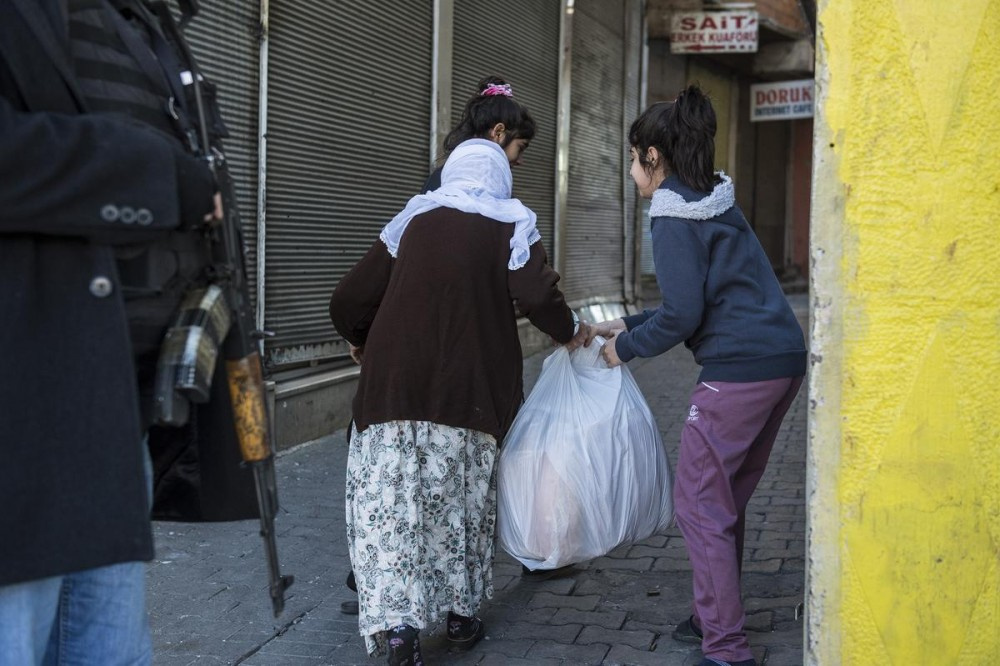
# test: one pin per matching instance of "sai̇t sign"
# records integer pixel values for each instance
(714, 32)
(782, 100)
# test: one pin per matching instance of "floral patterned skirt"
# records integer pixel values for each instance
(421, 516)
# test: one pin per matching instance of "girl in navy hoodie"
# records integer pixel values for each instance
(723, 301)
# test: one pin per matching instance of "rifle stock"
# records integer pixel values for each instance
(246, 390)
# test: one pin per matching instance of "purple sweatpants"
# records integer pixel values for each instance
(724, 449)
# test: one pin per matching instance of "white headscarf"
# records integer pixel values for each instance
(475, 179)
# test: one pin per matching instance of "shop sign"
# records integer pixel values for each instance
(782, 100)
(714, 32)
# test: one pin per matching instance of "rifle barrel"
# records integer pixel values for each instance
(267, 501)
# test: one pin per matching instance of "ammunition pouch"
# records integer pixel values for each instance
(188, 355)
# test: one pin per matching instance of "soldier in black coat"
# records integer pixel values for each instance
(92, 177)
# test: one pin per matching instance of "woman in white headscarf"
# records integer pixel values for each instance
(434, 305)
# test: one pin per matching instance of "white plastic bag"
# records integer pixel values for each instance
(583, 469)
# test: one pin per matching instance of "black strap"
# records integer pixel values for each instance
(165, 53)
(167, 21)
(163, 70)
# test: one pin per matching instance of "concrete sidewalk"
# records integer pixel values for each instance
(208, 585)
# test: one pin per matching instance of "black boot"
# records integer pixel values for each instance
(350, 607)
(464, 632)
(404, 646)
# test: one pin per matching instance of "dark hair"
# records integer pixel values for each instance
(483, 112)
(684, 133)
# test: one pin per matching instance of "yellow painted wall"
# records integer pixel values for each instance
(904, 479)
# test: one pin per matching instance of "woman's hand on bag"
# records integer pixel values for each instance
(605, 329)
(608, 351)
(581, 337)
(357, 353)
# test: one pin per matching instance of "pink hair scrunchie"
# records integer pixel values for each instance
(497, 89)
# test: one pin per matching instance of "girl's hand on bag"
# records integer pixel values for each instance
(608, 351)
(605, 329)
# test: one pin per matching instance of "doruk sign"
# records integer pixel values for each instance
(783, 100)
(714, 32)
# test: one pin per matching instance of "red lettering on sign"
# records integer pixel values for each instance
(713, 32)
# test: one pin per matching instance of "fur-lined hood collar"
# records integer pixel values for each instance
(674, 199)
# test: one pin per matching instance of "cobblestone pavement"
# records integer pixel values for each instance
(208, 584)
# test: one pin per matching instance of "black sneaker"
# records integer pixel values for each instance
(404, 646)
(464, 632)
(687, 632)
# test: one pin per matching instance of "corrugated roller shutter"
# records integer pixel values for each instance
(224, 39)
(487, 40)
(595, 260)
(633, 55)
(348, 145)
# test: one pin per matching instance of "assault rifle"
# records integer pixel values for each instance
(225, 308)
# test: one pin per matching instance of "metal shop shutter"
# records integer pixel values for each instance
(632, 51)
(224, 39)
(526, 53)
(348, 145)
(595, 237)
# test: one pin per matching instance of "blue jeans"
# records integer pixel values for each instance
(95, 617)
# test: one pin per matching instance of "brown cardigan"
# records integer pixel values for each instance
(438, 323)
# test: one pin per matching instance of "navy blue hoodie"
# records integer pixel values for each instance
(720, 295)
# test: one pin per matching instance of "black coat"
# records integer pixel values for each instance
(71, 484)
